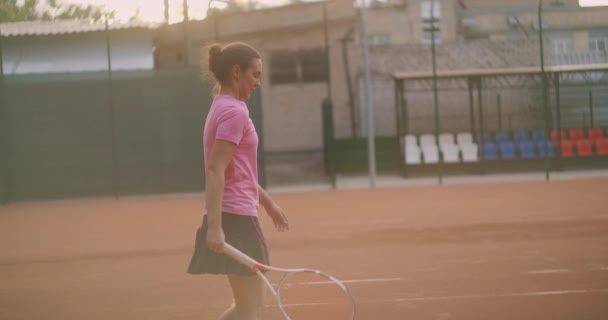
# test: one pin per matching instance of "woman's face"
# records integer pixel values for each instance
(250, 79)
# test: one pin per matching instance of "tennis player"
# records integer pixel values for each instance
(232, 190)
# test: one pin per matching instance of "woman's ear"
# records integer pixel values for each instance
(236, 71)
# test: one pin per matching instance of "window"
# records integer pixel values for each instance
(561, 46)
(377, 40)
(283, 67)
(293, 66)
(598, 44)
(431, 21)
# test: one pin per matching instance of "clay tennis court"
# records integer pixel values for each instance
(517, 250)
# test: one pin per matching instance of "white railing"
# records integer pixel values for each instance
(595, 57)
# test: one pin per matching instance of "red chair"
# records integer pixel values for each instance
(567, 149)
(602, 147)
(576, 134)
(584, 148)
(595, 134)
(554, 135)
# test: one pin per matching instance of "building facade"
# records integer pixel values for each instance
(299, 74)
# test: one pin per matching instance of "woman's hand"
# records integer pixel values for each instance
(216, 239)
(279, 218)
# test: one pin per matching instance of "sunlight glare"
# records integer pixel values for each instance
(593, 3)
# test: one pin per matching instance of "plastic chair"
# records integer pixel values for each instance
(411, 140)
(541, 149)
(595, 134)
(567, 149)
(554, 135)
(430, 153)
(413, 155)
(538, 135)
(470, 152)
(507, 150)
(520, 135)
(502, 137)
(486, 138)
(602, 147)
(451, 153)
(446, 139)
(526, 150)
(490, 151)
(584, 148)
(427, 139)
(463, 138)
(576, 134)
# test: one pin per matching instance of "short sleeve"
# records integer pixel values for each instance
(231, 125)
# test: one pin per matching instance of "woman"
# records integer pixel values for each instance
(233, 192)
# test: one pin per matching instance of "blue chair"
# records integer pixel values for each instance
(526, 150)
(538, 135)
(502, 137)
(541, 149)
(507, 150)
(486, 138)
(520, 135)
(490, 152)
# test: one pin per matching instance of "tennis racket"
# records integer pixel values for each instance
(302, 293)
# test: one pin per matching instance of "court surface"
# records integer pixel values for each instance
(515, 250)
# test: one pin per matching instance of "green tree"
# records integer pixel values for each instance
(11, 12)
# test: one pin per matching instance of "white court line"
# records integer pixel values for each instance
(503, 295)
(353, 281)
(463, 297)
(549, 271)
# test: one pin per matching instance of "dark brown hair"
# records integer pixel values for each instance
(222, 58)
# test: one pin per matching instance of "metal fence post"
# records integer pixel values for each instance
(5, 189)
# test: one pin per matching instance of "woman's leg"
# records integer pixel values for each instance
(248, 294)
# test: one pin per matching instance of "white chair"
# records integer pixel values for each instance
(464, 138)
(446, 139)
(427, 139)
(469, 152)
(451, 153)
(411, 140)
(430, 153)
(413, 155)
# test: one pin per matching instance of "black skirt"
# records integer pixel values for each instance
(243, 233)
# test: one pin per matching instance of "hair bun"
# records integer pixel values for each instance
(215, 50)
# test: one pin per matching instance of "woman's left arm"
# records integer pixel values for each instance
(278, 216)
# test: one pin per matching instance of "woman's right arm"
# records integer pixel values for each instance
(220, 156)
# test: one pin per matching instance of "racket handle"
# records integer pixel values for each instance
(241, 257)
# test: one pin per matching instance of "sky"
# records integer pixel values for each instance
(153, 10)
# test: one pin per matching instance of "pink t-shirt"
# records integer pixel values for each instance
(228, 119)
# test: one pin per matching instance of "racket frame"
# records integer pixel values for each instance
(259, 267)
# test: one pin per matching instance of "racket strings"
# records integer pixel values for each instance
(310, 295)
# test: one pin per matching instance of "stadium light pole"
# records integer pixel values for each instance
(371, 146)
(215, 25)
(4, 139)
(545, 93)
(435, 94)
(166, 11)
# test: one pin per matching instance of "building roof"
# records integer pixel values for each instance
(42, 28)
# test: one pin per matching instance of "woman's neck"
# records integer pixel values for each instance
(229, 91)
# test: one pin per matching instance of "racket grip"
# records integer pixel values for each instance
(241, 257)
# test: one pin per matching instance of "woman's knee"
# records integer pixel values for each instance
(248, 294)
